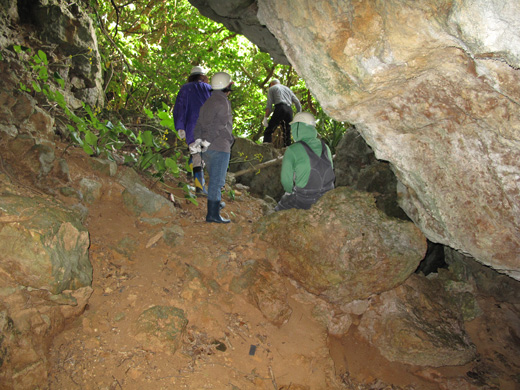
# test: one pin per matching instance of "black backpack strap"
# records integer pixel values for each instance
(323, 148)
(308, 148)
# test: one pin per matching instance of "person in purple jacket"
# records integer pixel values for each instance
(190, 99)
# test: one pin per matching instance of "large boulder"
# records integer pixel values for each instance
(418, 324)
(42, 244)
(344, 248)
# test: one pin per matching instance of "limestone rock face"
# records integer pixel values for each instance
(73, 30)
(434, 88)
(70, 28)
(240, 16)
(344, 248)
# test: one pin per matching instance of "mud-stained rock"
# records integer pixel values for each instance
(37, 161)
(417, 324)
(42, 244)
(90, 189)
(173, 235)
(265, 289)
(21, 109)
(29, 320)
(336, 323)
(162, 328)
(143, 202)
(344, 248)
(103, 166)
(270, 296)
(39, 123)
(246, 278)
(127, 246)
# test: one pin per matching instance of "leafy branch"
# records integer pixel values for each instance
(97, 137)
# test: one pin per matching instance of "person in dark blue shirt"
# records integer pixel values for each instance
(190, 99)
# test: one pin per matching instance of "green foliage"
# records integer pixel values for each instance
(188, 194)
(156, 44)
(40, 64)
(97, 137)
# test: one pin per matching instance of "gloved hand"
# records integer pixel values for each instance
(264, 122)
(195, 146)
(204, 145)
(182, 134)
(199, 146)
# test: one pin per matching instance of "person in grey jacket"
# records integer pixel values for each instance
(282, 98)
(214, 136)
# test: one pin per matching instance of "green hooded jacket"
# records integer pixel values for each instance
(296, 165)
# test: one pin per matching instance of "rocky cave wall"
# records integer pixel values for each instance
(433, 86)
(70, 42)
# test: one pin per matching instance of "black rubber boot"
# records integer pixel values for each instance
(214, 212)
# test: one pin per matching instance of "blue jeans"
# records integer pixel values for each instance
(217, 165)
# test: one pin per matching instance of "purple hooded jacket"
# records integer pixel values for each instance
(189, 100)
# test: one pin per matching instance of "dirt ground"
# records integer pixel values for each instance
(228, 343)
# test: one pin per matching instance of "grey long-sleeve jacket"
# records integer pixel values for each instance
(279, 93)
(215, 123)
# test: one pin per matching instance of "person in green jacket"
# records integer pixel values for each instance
(307, 170)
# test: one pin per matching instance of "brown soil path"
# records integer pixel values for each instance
(103, 349)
